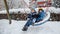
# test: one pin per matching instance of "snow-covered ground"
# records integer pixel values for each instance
(50, 27)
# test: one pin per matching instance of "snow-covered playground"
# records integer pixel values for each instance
(50, 27)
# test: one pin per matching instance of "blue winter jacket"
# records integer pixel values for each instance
(41, 15)
(31, 15)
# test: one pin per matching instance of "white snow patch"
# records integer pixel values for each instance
(50, 27)
(27, 10)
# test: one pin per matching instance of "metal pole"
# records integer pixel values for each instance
(7, 9)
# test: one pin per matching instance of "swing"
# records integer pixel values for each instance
(46, 18)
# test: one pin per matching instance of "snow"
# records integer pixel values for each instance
(54, 10)
(50, 27)
(27, 10)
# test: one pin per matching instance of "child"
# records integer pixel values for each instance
(32, 19)
(41, 15)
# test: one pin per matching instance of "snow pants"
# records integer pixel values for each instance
(30, 21)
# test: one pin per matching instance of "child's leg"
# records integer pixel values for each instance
(29, 22)
(34, 20)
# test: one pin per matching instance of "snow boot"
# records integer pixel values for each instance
(25, 28)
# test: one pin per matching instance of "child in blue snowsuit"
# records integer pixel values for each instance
(34, 16)
(41, 15)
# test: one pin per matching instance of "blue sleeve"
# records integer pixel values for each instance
(42, 14)
(29, 16)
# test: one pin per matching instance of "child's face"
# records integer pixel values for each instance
(33, 11)
(40, 11)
